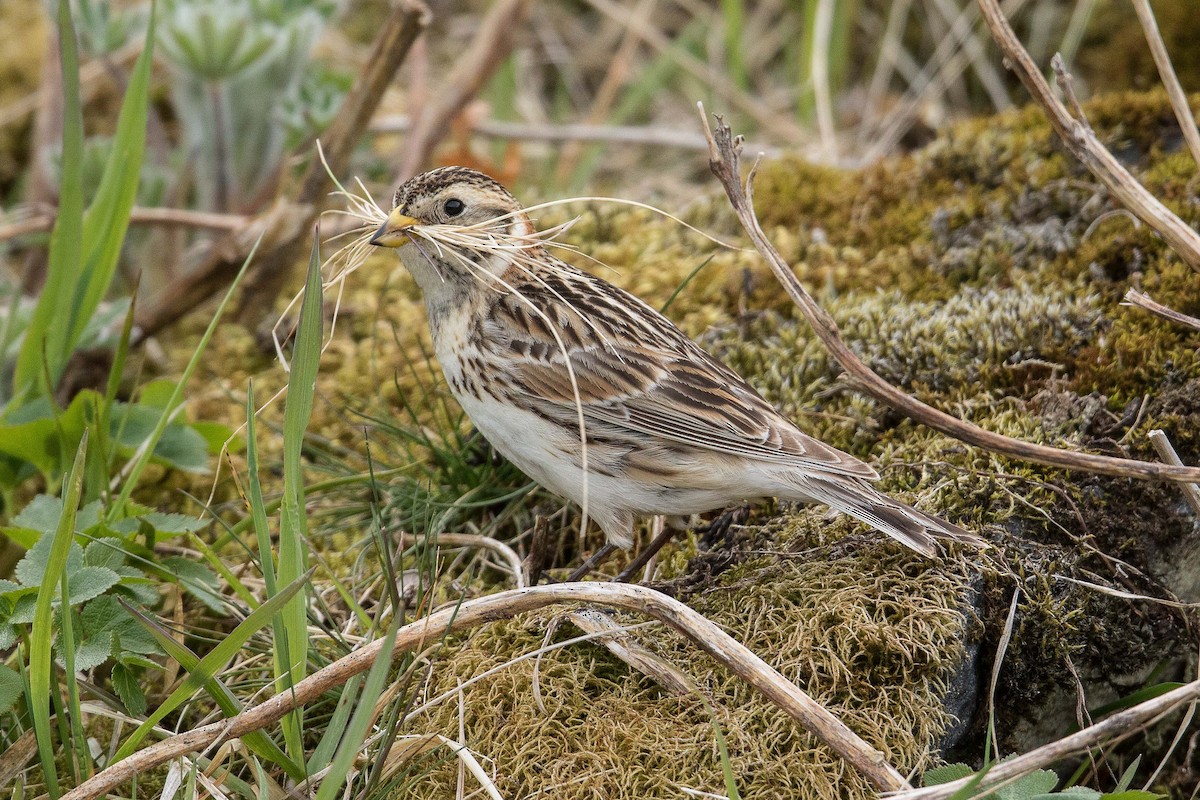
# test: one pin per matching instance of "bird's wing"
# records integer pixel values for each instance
(634, 370)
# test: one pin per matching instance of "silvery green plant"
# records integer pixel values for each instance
(237, 65)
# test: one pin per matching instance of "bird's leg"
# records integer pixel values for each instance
(535, 562)
(664, 535)
(596, 560)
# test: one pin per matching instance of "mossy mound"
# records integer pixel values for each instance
(875, 639)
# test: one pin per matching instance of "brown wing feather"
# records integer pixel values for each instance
(635, 371)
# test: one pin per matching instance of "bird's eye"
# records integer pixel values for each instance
(453, 207)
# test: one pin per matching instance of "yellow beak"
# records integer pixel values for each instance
(393, 232)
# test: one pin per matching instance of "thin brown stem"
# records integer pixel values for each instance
(1117, 727)
(457, 617)
(1144, 301)
(1166, 451)
(724, 160)
(1166, 73)
(1083, 144)
(176, 217)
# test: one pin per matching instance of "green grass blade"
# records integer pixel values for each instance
(258, 506)
(41, 659)
(202, 673)
(291, 658)
(107, 217)
(46, 331)
(356, 731)
(146, 451)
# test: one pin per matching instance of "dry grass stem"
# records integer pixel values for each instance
(283, 225)
(181, 217)
(1142, 300)
(1118, 726)
(1191, 491)
(1083, 144)
(412, 746)
(458, 617)
(724, 160)
(1166, 73)
(512, 561)
(618, 641)
(578, 132)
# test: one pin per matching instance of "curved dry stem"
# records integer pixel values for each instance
(733, 655)
(1115, 728)
(509, 556)
(1078, 137)
(724, 160)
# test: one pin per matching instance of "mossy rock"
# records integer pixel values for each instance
(983, 274)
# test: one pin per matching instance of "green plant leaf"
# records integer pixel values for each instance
(1133, 794)
(125, 683)
(177, 446)
(1082, 792)
(93, 651)
(202, 672)
(946, 774)
(199, 581)
(291, 653)
(1029, 786)
(89, 582)
(31, 569)
(41, 668)
(172, 524)
(45, 333)
(11, 687)
(107, 217)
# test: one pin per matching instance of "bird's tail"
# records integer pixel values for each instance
(905, 524)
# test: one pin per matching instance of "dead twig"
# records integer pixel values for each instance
(1143, 301)
(512, 561)
(285, 221)
(1118, 726)
(1166, 73)
(1079, 139)
(576, 132)
(457, 617)
(1191, 492)
(724, 160)
(180, 217)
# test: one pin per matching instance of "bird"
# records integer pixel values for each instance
(595, 395)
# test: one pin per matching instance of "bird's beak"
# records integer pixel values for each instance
(394, 230)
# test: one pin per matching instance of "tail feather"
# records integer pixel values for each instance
(905, 524)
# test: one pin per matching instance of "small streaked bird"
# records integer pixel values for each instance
(540, 353)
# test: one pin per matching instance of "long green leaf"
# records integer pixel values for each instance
(107, 217)
(46, 331)
(258, 505)
(146, 450)
(356, 731)
(41, 660)
(202, 673)
(291, 659)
